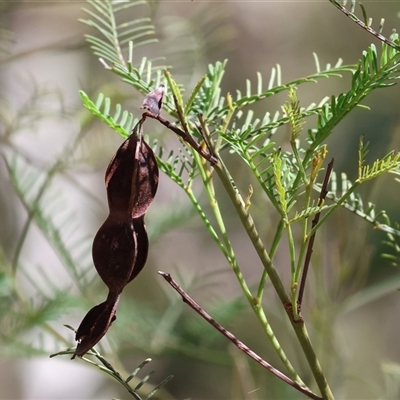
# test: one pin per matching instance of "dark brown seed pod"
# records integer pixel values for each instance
(121, 244)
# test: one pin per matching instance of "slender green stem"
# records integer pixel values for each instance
(303, 250)
(294, 284)
(114, 33)
(262, 318)
(305, 342)
(205, 220)
(292, 251)
(264, 276)
(298, 325)
(229, 252)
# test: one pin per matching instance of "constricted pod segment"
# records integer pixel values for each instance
(114, 252)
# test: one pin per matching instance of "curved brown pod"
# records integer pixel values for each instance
(121, 245)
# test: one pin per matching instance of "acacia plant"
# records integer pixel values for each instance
(297, 182)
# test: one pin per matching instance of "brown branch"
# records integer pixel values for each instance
(184, 136)
(315, 221)
(240, 345)
(370, 30)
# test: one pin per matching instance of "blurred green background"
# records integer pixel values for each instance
(44, 62)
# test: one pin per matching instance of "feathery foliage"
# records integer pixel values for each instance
(286, 173)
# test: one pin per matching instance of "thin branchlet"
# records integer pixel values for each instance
(363, 25)
(239, 344)
(322, 196)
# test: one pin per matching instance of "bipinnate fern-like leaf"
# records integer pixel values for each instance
(209, 98)
(118, 40)
(372, 72)
(247, 135)
(113, 44)
(275, 85)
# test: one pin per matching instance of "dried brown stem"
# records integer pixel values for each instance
(370, 30)
(315, 221)
(240, 345)
(184, 136)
